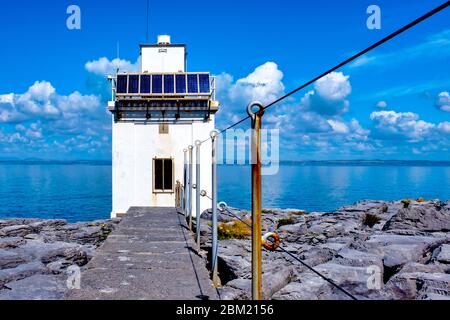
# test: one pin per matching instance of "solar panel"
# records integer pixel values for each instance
(156, 83)
(192, 83)
(180, 80)
(133, 84)
(203, 80)
(122, 83)
(169, 85)
(145, 84)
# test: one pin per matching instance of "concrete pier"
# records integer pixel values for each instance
(150, 256)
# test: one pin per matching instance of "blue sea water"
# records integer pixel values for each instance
(82, 191)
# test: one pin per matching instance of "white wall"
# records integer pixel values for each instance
(133, 148)
(163, 59)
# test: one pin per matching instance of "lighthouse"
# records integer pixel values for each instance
(156, 115)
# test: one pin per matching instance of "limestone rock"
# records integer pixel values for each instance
(423, 218)
(419, 285)
(16, 230)
(11, 242)
(37, 287)
(444, 254)
(10, 259)
(20, 272)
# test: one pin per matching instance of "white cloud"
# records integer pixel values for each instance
(444, 127)
(443, 101)
(334, 86)
(401, 125)
(105, 67)
(382, 104)
(263, 84)
(329, 95)
(338, 126)
(41, 101)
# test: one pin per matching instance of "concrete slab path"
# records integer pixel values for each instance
(150, 256)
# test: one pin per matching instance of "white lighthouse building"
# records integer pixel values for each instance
(157, 114)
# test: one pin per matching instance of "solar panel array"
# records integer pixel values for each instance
(158, 84)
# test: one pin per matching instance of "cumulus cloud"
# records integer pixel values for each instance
(41, 101)
(444, 127)
(105, 67)
(398, 125)
(38, 121)
(329, 95)
(443, 101)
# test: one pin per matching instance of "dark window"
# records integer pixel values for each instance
(163, 175)
(133, 84)
(157, 83)
(122, 83)
(181, 83)
(158, 174)
(204, 83)
(168, 83)
(145, 84)
(192, 83)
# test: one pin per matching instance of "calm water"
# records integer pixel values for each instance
(78, 192)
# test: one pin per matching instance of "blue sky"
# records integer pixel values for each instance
(392, 104)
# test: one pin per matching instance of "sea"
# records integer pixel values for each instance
(81, 191)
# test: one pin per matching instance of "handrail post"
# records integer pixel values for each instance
(190, 148)
(256, 117)
(215, 246)
(197, 192)
(185, 183)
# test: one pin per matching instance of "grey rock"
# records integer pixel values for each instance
(50, 223)
(49, 252)
(37, 287)
(20, 272)
(16, 230)
(276, 279)
(398, 250)
(444, 254)
(10, 259)
(418, 285)
(11, 242)
(420, 217)
(59, 266)
(297, 229)
(412, 267)
(308, 287)
(355, 258)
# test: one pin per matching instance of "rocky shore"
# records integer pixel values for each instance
(38, 257)
(373, 249)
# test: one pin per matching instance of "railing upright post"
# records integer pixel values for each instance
(197, 192)
(256, 117)
(190, 185)
(215, 246)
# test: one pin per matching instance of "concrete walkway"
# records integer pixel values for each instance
(150, 256)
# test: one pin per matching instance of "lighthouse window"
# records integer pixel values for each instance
(168, 83)
(133, 84)
(157, 83)
(192, 83)
(203, 79)
(162, 175)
